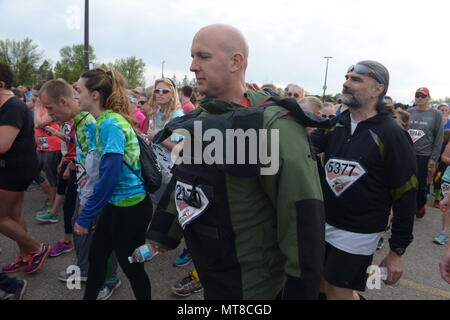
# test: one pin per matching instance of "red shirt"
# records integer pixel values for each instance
(188, 107)
(245, 102)
(145, 125)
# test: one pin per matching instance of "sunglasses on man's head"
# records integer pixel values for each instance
(421, 95)
(359, 68)
(162, 91)
(328, 116)
(295, 94)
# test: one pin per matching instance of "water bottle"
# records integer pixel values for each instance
(384, 276)
(383, 273)
(142, 254)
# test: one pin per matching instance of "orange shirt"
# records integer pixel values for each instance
(245, 102)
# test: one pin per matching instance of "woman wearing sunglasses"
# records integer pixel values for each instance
(294, 91)
(133, 97)
(164, 106)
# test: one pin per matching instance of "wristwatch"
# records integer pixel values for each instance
(398, 251)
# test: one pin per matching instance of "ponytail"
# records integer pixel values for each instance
(111, 86)
(118, 100)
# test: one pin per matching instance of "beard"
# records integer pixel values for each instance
(352, 100)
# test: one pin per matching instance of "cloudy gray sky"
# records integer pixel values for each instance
(288, 39)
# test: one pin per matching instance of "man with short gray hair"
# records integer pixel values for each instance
(369, 168)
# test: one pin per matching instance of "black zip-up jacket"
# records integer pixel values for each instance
(381, 154)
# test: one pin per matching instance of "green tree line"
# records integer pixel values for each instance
(29, 65)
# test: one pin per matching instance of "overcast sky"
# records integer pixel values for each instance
(287, 39)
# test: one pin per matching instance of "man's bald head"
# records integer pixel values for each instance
(228, 38)
(219, 60)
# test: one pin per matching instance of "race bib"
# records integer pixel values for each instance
(67, 129)
(81, 175)
(342, 174)
(190, 205)
(445, 188)
(43, 142)
(416, 135)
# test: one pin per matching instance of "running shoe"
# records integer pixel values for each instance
(5, 295)
(66, 277)
(186, 286)
(45, 207)
(33, 187)
(60, 247)
(18, 294)
(108, 289)
(21, 288)
(441, 239)
(47, 217)
(184, 259)
(380, 244)
(420, 213)
(37, 259)
(18, 265)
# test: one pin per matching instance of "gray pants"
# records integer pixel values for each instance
(82, 244)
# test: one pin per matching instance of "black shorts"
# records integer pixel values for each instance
(62, 183)
(346, 270)
(48, 162)
(17, 180)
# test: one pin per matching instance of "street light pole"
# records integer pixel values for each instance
(163, 68)
(326, 75)
(86, 35)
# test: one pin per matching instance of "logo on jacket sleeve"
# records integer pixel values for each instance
(191, 202)
(416, 135)
(342, 174)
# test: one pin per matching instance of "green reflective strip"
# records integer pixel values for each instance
(378, 142)
(410, 184)
(129, 202)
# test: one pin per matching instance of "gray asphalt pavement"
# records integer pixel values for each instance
(44, 284)
(421, 280)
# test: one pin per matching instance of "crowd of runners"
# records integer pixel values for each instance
(348, 170)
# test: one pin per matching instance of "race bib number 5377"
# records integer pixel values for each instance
(342, 174)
